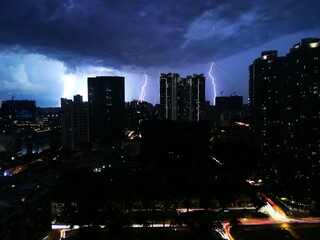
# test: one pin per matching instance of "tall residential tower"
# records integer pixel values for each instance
(284, 100)
(169, 96)
(182, 99)
(106, 108)
(74, 122)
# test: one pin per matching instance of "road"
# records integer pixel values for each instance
(277, 216)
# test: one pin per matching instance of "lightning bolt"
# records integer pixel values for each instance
(213, 83)
(142, 87)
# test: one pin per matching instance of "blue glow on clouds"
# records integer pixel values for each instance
(32, 76)
(49, 48)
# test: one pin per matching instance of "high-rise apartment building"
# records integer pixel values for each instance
(266, 88)
(284, 100)
(106, 108)
(302, 102)
(191, 98)
(74, 122)
(169, 96)
(182, 98)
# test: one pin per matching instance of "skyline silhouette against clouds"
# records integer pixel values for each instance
(49, 48)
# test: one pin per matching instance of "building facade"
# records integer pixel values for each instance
(266, 91)
(284, 102)
(74, 122)
(182, 99)
(191, 101)
(106, 100)
(302, 103)
(169, 96)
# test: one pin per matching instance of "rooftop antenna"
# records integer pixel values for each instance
(12, 96)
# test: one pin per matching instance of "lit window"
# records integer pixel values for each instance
(314, 44)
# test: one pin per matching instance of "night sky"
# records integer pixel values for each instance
(48, 48)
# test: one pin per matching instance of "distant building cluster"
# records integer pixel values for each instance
(23, 110)
(281, 122)
(22, 133)
(282, 114)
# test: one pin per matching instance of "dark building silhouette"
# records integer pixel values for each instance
(74, 122)
(302, 102)
(25, 212)
(182, 98)
(175, 142)
(228, 110)
(34, 141)
(266, 89)
(106, 108)
(284, 101)
(137, 111)
(19, 110)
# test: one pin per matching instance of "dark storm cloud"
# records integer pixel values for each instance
(148, 33)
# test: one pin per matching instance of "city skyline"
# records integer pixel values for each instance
(48, 50)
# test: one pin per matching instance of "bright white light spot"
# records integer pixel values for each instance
(314, 44)
(69, 84)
